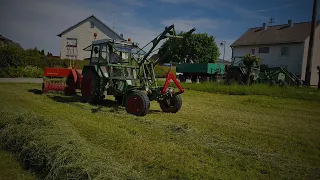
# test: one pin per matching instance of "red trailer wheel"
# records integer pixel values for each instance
(138, 103)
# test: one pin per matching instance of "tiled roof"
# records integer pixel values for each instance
(278, 34)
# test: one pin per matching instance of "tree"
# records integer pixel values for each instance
(250, 60)
(197, 48)
(42, 52)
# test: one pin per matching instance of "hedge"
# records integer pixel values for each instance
(16, 62)
(28, 71)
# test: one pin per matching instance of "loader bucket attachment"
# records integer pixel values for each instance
(61, 80)
(170, 76)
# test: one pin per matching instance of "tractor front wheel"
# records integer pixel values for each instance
(137, 103)
(171, 104)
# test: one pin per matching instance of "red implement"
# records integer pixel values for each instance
(166, 85)
(61, 80)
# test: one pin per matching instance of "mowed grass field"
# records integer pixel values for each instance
(213, 136)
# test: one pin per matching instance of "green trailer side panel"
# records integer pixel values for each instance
(215, 67)
(191, 68)
(209, 68)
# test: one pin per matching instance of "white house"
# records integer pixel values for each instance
(81, 35)
(284, 45)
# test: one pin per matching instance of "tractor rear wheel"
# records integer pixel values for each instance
(137, 103)
(90, 88)
(171, 104)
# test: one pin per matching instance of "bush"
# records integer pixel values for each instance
(161, 71)
(11, 56)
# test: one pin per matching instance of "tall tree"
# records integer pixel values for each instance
(198, 48)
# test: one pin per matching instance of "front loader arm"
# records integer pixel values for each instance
(169, 32)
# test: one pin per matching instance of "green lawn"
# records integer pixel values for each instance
(214, 136)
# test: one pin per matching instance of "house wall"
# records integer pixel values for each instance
(315, 58)
(293, 62)
(85, 35)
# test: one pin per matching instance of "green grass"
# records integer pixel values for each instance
(214, 136)
(303, 93)
(11, 169)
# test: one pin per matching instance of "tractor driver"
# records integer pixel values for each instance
(114, 57)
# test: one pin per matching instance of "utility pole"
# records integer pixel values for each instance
(223, 43)
(311, 42)
(114, 17)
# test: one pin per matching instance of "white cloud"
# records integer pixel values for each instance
(37, 22)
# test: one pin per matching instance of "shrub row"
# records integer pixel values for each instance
(52, 62)
(304, 93)
(13, 60)
(28, 71)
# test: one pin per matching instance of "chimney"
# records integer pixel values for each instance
(264, 26)
(121, 35)
(290, 23)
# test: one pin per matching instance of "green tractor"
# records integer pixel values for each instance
(237, 72)
(123, 70)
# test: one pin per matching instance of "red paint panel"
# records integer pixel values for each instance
(57, 72)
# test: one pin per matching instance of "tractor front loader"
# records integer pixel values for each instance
(131, 80)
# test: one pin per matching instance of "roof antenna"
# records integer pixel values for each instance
(271, 21)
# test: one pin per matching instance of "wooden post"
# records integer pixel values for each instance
(318, 68)
(311, 42)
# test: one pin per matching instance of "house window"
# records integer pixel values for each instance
(253, 51)
(91, 25)
(284, 51)
(72, 42)
(264, 50)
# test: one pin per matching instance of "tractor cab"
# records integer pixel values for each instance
(116, 58)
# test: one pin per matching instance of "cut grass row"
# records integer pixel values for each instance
(214, 136)
(11, 169)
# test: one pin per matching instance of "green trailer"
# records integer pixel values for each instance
(203, 72)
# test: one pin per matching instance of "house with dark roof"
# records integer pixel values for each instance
(284, 45)
(79, 36)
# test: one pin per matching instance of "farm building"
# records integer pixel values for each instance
(284, 45)
(77, 37)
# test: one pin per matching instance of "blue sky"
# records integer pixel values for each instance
(37, 22)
